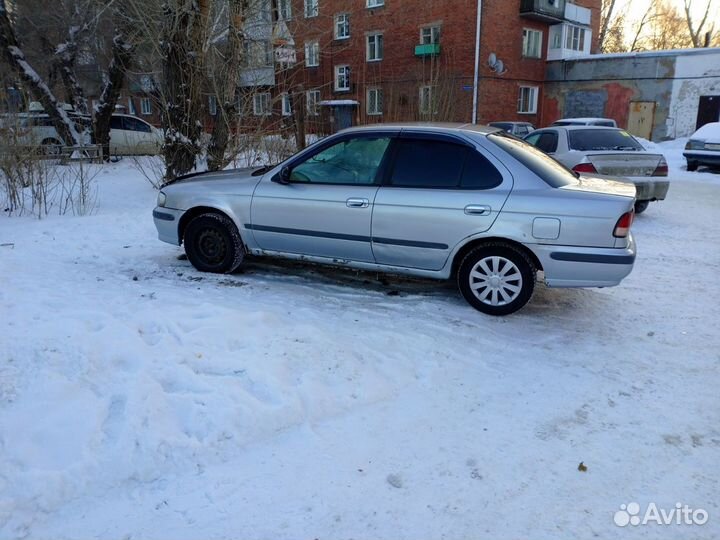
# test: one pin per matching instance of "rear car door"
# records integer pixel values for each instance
(325, 209)
(439, 190)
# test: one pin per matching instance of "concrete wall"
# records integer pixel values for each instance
(605, 85)
(696, 75)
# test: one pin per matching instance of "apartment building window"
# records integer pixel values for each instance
(212, 105)
(556, 40)
(284, 10)
(428, 102)
(342, 26)
(374, 101)
(575, 38)
(374, 47)
(430, 35)
(131, 106)
(311, 8)
(261, 104)
(342, 78)
(145, 106)
(312, 54)
(375, 3)
(312, 100)
(527, 100)
(532, 43)
(286, 108)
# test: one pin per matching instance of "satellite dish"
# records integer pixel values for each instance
(497, 65)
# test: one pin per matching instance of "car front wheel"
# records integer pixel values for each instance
(497, 278)
(213, 244)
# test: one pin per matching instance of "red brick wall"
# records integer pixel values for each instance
(401, 74)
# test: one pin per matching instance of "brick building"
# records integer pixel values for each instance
(364, 61)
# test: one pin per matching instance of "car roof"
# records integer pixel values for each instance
(585, 119)
(509, 122)
(442, 127)
(582, 127)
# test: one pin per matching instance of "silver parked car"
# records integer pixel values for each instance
(519, 129)
(604, 122)
(436, 200)
(607, 151)
(703, 148)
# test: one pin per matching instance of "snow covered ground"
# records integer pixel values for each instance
(142, 399)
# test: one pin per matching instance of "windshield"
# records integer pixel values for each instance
(602, 139)
(550, 170)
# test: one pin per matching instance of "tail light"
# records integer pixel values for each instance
(661, 169)
(622, 227)
(585, 168)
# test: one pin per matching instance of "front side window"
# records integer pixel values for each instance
(342, 78)
(312, 101)
(353, 161)
(374, 47)
(135, 124)
(430, 35)
(532, 43)
(527, 100)
(374, 101)
(145, 106)
(342, 26)
(312, 54)
(311, 8)
(430, 164)
(261, 104)
(547, 141)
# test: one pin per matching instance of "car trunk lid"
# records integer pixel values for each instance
(613, 163)
(605, 186)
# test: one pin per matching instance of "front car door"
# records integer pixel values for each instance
(325, 208)
(441, 189)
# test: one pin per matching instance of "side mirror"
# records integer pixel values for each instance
(283, 177)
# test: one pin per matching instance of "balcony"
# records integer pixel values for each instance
(428, 49)
(549, 11)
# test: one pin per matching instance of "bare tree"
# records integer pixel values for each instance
(608, 8)
(13, 55)
(697, 32)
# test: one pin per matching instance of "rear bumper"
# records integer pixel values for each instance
(570, 266)
(166, 222)
(650, 188)
(704, 158)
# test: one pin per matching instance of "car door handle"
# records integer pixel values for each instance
(478, 210)
(357, 203)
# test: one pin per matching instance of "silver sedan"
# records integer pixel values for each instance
(444, 201)
(607, 151)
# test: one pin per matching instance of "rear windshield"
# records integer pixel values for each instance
(567, 123)
(551, 171)
(602, 139)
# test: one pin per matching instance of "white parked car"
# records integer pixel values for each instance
(604, 122)
(610, 152)
(703, 148)
(129, 135)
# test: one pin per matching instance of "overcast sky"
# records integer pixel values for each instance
(638, 7)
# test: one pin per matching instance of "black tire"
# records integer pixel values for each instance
(526, 281)
(213, 244)
(641, 206)
(692, 166)
(51, 147)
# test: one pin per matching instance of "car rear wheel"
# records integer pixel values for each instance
(213, 244)
(497, 278)
(641, 206)
(692, 166)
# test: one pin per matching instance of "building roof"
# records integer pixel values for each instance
(643, 54)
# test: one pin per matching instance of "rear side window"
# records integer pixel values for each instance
(552, 172)
(442, 165)
(602, 139)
